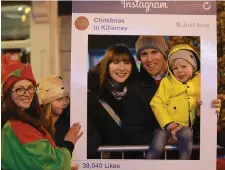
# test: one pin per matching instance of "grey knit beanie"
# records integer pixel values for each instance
(154, 42)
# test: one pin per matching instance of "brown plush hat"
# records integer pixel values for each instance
(154, 42)
(52, 88)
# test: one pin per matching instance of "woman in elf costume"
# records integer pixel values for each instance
(26, 144)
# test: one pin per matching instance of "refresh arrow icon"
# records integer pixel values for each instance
(206, 6)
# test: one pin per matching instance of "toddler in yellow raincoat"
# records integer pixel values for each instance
(175, 103)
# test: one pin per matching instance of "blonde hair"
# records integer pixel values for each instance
(47, 108)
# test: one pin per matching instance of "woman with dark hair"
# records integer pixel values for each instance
(108, 85)
(26, 144)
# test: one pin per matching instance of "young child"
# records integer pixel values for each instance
(54, 96)
(175, 103)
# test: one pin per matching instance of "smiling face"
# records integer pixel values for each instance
(58, 105)
(117, 64)
(153, 62)
(25, 100)
(120, 70)
(182, 70)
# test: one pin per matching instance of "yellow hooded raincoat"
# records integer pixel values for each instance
(175, 101)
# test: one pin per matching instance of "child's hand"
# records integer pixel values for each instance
(174, 138)
(199, 102)
(76, 167)
(171, 126)
(74, 134)
(174, 133)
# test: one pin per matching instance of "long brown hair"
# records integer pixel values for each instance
(33, 116)
(116, 52)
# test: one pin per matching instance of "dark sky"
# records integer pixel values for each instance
(104, 41)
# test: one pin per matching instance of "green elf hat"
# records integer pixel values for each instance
(13, 71)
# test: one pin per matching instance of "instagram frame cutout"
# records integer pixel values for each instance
(170, 18)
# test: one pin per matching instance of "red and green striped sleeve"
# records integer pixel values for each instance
(24, 147)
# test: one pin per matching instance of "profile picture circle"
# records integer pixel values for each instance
(81, 23)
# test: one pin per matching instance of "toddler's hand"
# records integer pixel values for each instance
(199, 102)
(74, 134)
(171, 126)
(173, 133)
(178, 128)
(174, 138)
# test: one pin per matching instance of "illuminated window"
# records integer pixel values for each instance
(15, 22)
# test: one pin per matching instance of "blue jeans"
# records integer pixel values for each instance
(160, 140)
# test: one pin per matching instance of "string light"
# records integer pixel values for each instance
(27, 10)
(20, 8)
(23, 18)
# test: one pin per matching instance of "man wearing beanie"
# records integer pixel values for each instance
(139, 121)
(152, 51)
(176, 98)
